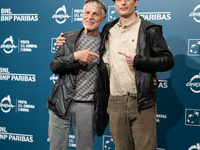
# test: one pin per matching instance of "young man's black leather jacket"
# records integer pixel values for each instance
(152, 55)
(64, 64)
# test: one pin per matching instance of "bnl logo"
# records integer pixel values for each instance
(192, 117)
(112, 13)
(194, 47)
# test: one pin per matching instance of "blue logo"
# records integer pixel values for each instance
(108, 143)
(112, 13)
(192, 117)
(194, 47)
(53, 45)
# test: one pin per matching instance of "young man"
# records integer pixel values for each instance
(79, 95)
(134, 49)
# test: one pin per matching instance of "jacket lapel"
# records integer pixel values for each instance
(72, 37)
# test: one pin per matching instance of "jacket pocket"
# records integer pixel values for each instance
(57, 101)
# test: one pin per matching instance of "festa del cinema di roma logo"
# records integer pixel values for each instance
(195, 14)
(6, 105)
(61, 15)
(195, 147)
(8, 45)
(21, 105)
(194, 84)
(24, 45)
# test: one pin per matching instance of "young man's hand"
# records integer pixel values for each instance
(129, 58)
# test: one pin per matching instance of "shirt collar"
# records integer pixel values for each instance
(133, 23)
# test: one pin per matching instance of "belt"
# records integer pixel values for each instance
(123, 97)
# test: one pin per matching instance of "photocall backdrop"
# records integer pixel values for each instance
(27, 44)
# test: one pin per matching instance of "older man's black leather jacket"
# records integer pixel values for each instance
(153, 55)
(64, 64)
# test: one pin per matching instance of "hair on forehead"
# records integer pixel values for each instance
(97, 3)
(114, 0)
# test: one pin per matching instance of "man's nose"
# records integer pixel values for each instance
(90, 16)
(123, 2)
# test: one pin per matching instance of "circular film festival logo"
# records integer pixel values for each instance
(195, 147)
(194, 84)
(8, 45)
(195, 14)
(54, 78)
(60, 17)
(6, 104)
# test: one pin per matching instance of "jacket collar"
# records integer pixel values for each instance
(144, 24)
(73, 36)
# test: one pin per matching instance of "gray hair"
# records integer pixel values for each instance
(97, 3)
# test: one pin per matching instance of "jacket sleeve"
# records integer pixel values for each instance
(63, 60)
(160, 57)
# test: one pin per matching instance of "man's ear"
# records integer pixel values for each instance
(136, 3)
(103, 19)
(114, 5)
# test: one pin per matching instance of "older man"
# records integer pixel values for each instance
(79, 95)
